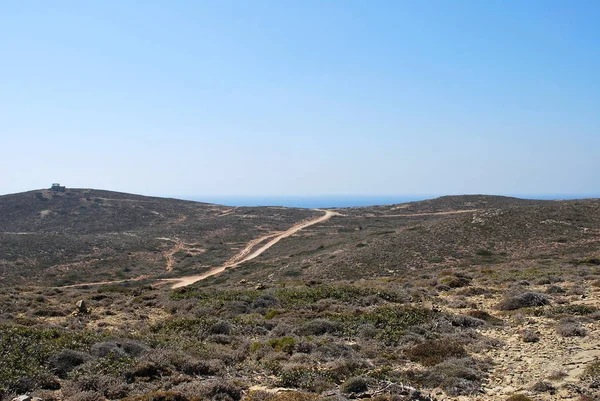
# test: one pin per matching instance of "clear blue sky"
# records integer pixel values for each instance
(194, 98)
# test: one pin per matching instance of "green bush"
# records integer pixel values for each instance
(283, 344)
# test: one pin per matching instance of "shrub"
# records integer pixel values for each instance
(209, 367)
(146, 371)
(433, 352)
(319, 327)
(570, 328)
(220, 327)
(592, 371)
(298, 376)
(557, 374)
(554, 289)
(518, 397)
(134, 348)
(354, 385)
(108, 349)
(284, 344)
(159, 396)
(109, 386)
(223, 390)
(465, 321)
(524, 300)
(455, 281)
(455, 376)
(67, 360)
(543, 387)
(529, 336)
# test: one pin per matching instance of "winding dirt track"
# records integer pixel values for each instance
(246, 254)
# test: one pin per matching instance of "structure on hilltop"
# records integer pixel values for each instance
(57, 187)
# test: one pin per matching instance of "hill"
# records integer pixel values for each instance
(468, 298)
(83, 234)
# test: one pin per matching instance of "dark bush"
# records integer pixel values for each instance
(529, 336)
(159, 396)
(110, 386)
(133, 348)
(543, 387)
(265, 301)
(518, 397)
(146, 371)
(455, 281)
(108, 349)
(355, 385)
(220, 327)
(433, 352)
(571, 328)
(554, 289)
(454, 376)
(524, 300)
(223, 390)
(67, 360)
(319, 327)
(466, 321)
(209, 367)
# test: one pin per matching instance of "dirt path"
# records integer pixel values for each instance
(246, 254)
(169, 259)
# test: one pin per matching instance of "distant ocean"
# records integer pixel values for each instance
(339, 200)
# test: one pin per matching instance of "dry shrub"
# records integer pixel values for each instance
(158, 396)
(529, 336)
(543, 387)
(109, 386)
(86, 396)
(524, 300)
(554, 289)
(518, 397)
(433, 352)
(67, 360)
(355, 385)
(282, 396)
(455, 376)
(557, 374)
(571, 328)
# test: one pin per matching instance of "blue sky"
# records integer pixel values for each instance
(287, 98)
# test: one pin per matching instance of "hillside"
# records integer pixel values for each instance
(469, 298)
(92, 235)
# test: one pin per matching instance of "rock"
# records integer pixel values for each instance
(260, 286)
(26, 398)
(81, 308)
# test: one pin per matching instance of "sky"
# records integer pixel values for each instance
(301, 98)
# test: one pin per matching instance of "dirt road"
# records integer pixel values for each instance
(247, 254)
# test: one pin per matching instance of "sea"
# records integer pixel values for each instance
(339, 201)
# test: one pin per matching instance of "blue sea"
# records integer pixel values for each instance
(334, 201)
